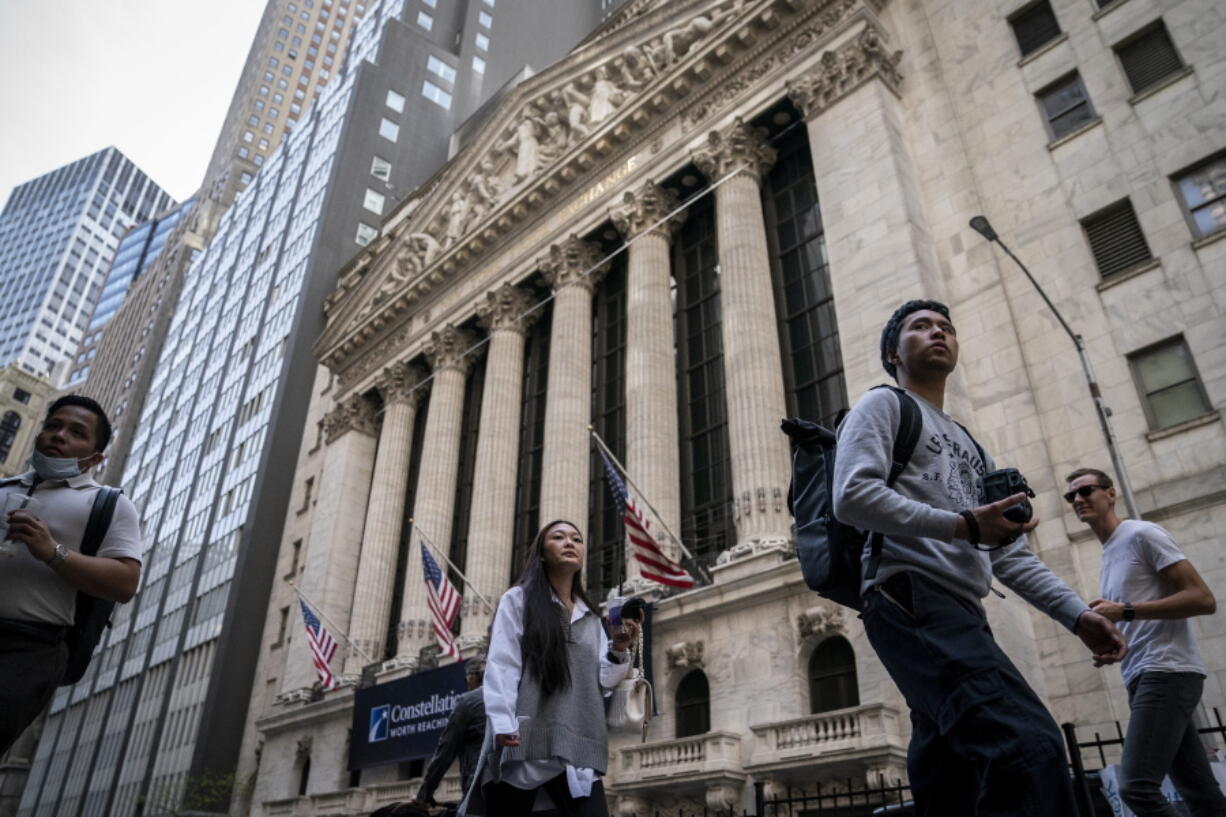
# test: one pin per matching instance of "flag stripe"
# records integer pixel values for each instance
(322, 646)
(444, 603)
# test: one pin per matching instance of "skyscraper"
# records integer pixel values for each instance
(58, 234)
(223, 417)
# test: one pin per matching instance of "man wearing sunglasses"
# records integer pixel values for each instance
(1152, 590)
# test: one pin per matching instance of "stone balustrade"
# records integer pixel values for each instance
(861, 733)
(702, 758)
(360, 801)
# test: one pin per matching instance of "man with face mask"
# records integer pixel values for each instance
(41, 575)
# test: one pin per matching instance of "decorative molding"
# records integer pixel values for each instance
(685, 655)
(402, 382)
(293, 696)
(353, 414)
(506, 309)
(845, 70)
(648, 209)
(820, 620)
(739, 147)
(573, 262)
(450, 348)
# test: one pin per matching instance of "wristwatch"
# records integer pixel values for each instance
(1129, 612)
(57, 557)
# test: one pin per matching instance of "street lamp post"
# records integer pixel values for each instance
(980, 225)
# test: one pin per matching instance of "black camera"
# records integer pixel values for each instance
(1002, 483)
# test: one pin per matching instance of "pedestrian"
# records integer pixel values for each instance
(461, 736)
(982, 743)
(40, 578)
(548, 669)
(1151, 588)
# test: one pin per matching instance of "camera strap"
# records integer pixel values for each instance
(910, 424)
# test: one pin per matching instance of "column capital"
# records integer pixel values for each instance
(401, 383)
(841, 72)
(572, 262)
(737, 147)
(353, 414)
(643, 209)
(446, 349)
(504, 309)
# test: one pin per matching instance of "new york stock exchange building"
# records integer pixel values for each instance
(695, 225)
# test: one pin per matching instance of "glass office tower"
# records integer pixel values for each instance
(58, 235)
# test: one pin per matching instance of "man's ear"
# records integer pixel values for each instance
(92, 461)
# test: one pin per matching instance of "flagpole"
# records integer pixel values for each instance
(451, 564)
(320, 612)
(642, 496)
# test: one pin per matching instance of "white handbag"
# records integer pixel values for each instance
(631, 703)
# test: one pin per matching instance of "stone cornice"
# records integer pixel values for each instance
(506, 309)
(843, 71)
(355, 413)
(714, 73)
(648, 208)
(739, 147)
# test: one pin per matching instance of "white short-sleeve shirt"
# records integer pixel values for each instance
(31, 591)
(1133, 558)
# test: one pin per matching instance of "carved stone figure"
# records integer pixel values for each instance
(605, 99)
(524, 142)
(419, 252)
(577, 104)
(486, 189)
(555, 137)
(457, 218)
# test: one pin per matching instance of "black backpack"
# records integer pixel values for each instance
(93, 614)
(829, 551)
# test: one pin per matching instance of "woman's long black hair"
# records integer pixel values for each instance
(543, 645)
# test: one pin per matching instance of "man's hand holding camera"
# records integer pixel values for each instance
(991, 526)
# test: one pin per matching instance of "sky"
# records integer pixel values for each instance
(151, 77)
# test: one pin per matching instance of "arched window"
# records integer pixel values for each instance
(693, 705)
(8, 433)
(832, 676)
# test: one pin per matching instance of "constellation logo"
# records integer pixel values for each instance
(380, 721)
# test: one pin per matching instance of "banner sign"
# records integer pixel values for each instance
(402, 720)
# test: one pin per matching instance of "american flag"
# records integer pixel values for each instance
(323, 646)
(444, 603)
(654, 564)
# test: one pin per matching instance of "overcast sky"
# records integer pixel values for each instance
(151, 77)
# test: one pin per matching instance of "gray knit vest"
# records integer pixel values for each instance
(570, 723)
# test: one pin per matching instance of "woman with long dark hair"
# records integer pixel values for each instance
(548, 668)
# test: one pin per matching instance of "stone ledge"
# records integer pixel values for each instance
(1128, 275)
(1068, 137)
(1043, 49)
(1161, 84)
(1107, 9)
(1212, 238)
(1186, 425)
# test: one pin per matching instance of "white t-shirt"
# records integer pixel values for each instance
(1132, 558)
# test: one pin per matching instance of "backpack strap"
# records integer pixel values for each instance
(910, 424)
(99, 519)
(983, 458)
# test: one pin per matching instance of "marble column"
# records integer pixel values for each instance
(571, 270)
(335, 538)
(653, 454)
(492, 527)
(753, 363)
(402, 388)
(433, 506)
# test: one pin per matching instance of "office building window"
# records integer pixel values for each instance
(253, 120)
(263, 90)
(425, 20)
(263, 144)
(1148, 57)
(442, 69)
(245, 178)
(693, 705)
(479, 65)
(484, 19)
(1034, 26)
(1202, 189)
(257, 160)
(21, 396)
(248, 136)
(483, 42)
(1065, 105)
(1170, 387)
(365, 234)
(1116, 239)
(395, 101)
(243, 153)
(430, 3)
(489, 3)
(832, 676)
(8, 433)
(435, 94)
(373, 202)
(388, 129)
(381, 168)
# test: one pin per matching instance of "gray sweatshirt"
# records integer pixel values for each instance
(919, 515)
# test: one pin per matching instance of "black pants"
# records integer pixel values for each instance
(505, 800)
(30, 670)
(982, 743)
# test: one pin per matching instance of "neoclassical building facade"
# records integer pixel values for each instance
(695, 225)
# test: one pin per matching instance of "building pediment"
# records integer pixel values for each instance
(552, 133)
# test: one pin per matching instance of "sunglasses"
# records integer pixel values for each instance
(1084, 492)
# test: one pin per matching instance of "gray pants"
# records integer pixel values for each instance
(1162, 740)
